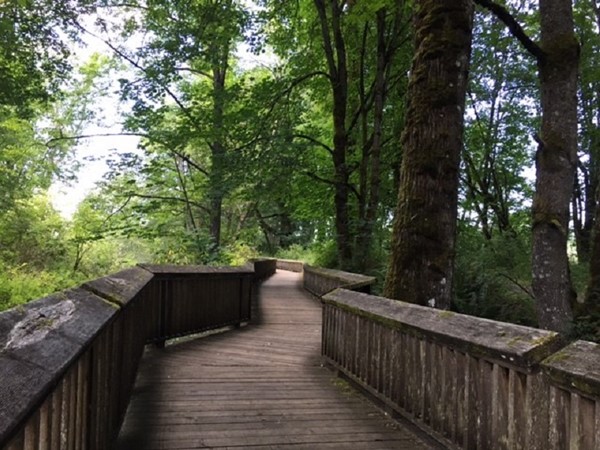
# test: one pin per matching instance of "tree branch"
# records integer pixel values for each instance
(169, 199)
(314, 141)
(329, 182)
(194, 71)
(514, 27)
(519, 285)
(165, 144)
(142, 69)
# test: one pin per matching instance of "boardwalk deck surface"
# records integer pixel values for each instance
(260, 387)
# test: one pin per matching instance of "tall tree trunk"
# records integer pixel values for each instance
(423, 241)
(584, 196)
(556, 162)
(367, 222)
(591, 305)
(218, 153)
(335, 53)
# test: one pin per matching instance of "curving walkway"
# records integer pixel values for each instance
(259, 387)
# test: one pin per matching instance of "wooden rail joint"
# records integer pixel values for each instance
(320, 281)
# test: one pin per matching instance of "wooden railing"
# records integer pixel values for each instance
(68, 362)
(290, 265)
(263, 267)
(470, 382)
(320, 281)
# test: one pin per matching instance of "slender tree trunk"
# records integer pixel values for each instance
(335, 53)
(218, 153)
(365, 234)
(591, 305)
(584, 196)
(556, 161)
(421, 268)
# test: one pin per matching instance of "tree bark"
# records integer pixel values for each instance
(423, 240)
(556, 162)
(335, 53)
(218, 151)
(370, 192)
(591, 306)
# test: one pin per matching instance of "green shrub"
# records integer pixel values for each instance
(493, 278)
(19, 285)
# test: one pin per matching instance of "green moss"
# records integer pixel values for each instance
(514, 341)
(45, 323)
(446, 314)
(343, 386)
(542, 340)
(557, 357)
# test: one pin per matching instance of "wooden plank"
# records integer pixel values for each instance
(263, 385)
(499, 408)
(560, 413)
(517, 412)
(597, 425)
(537, 407)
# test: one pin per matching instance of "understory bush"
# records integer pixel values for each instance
(493, 278)
(20, 285)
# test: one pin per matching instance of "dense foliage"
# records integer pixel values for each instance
(296, 154)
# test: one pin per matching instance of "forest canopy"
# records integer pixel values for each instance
(452, 152)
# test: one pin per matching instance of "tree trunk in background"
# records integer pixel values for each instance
(556, 162)
(335, 53)
(423, 241)
(591, 305)
(218, 153)
(372, 178)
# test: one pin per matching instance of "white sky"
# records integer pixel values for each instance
(66, 197)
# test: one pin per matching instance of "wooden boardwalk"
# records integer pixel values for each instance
(260, 387)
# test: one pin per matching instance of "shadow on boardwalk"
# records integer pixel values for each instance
(260, 387)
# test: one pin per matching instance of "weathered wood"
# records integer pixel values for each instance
(577, 366)
(70, 360)
(263, 267)
(473, 383)
(120, 287)
(508, 344)
(262, 385)
(320, 281)
(171, 270)
(38, 342)
(290, 265)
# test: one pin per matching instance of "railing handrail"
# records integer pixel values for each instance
(74, 343)
(470, 382)
(68, 361)
(319, 281)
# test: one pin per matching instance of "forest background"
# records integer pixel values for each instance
(296, 158)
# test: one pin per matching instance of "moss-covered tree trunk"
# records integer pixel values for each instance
(421, 268)
(556, 162)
